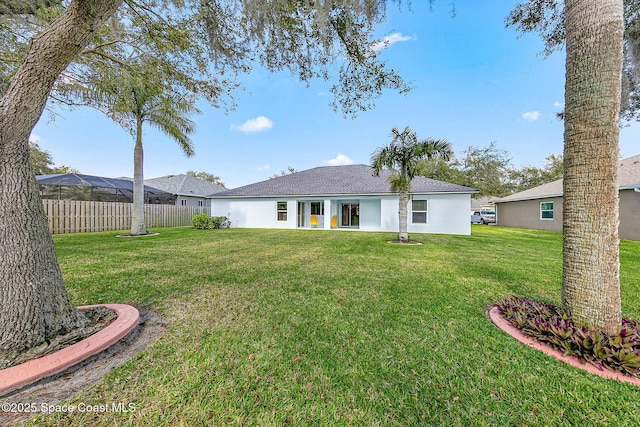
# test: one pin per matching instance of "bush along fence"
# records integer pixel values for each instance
(69, 216)
(204, 222)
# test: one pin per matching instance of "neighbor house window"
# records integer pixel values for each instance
(282, 211)
(317, 208)
(546, 210)
(419, 211)
(200, 202)
(183, 202)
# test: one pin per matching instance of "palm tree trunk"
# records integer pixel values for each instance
(137, 218)
(403, 235)
(34, 305)
(590, 280)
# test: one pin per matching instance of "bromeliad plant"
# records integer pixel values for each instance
(550, 324)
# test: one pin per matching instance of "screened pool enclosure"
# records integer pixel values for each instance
(72, 186)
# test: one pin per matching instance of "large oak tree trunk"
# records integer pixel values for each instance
(590, 280)
(34, 305)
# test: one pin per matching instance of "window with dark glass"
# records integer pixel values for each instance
(419, 211)
(546, 210)
(317, 208)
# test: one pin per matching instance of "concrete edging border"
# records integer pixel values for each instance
(18, 376)
(504, 325)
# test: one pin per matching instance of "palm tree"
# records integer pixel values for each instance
(401, 156)
(590, 274)
(164, 111)
(132, 96)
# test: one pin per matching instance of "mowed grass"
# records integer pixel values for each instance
(309, 327)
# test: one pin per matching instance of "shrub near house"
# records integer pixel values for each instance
(203, 222)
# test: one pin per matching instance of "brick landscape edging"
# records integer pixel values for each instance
(16, 377)
(500, 322)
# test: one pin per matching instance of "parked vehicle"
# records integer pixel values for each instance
(487, 216)
(475, 217)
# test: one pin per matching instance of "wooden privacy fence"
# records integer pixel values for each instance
(69, 216)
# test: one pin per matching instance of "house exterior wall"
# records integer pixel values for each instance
(446, 214)
(629, 215)
(526, 214)
(192, 201)
(255, 212)
(370, 214)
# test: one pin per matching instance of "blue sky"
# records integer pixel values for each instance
(474, 82)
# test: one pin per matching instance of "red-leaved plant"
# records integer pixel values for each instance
(551, 324)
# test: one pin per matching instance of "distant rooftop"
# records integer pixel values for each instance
(185, 185)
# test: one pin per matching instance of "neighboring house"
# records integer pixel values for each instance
(346, 197)
(541, 207)
(188, 190)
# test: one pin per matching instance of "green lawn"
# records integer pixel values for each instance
(313, 327)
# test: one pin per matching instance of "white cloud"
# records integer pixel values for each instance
(558, 104)
(531, 116)
(266, 167)
(340, 160)
(33, 138)
(258, 124)
(389, 40)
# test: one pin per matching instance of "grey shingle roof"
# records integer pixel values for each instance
(336, 180)
(185, 185)
(628, 177)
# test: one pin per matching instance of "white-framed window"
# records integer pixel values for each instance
(546, 210)
(419, 211)
(281, 209)
(201, 203)
(183, 202)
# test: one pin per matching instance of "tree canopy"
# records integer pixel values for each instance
(42, 162)
(489, 169)
(547, 19)
(204, 46)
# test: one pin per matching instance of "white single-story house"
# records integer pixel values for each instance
(345, 197)
(541, 207)
(188, 190)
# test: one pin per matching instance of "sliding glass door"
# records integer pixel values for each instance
(350, 215)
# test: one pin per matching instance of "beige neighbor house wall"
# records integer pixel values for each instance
(629, 215)
(523, 209)
(526, 214)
